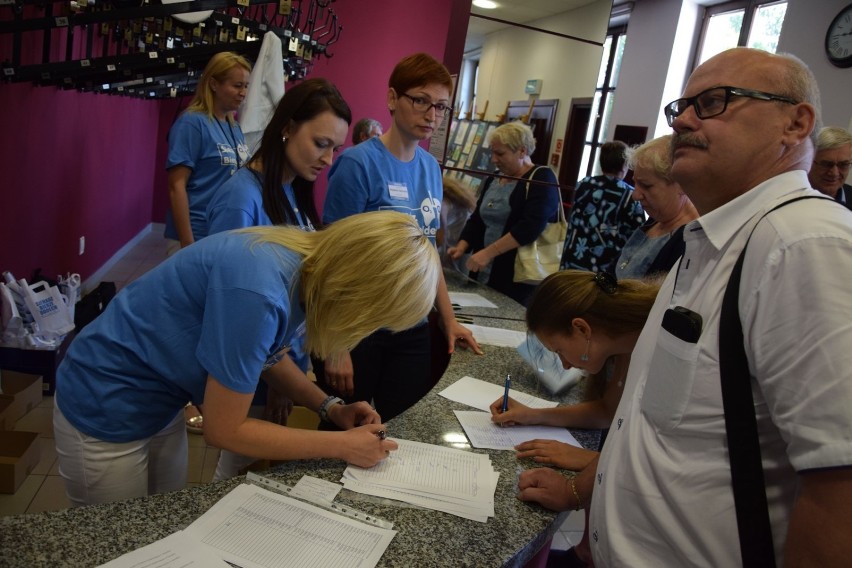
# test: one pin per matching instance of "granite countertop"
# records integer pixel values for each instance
(88, 536)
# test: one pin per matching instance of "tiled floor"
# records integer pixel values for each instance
(43, 489)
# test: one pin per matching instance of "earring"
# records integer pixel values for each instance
(585, 356)
(284, 139)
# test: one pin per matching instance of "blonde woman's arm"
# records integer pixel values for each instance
(177, 179)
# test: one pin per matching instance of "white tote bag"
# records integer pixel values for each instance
(49, 309)
(539, 259)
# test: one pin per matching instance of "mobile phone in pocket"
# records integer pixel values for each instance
(683, 323)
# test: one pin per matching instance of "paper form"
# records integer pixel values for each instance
(174, 551)
(256, 528)
(480, 394)
(497, 336)
(470, 300)
(483, 433)
(444, 479)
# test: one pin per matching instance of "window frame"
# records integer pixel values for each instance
(606, 91)
(749, 8)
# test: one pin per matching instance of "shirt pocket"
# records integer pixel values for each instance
(670, 378)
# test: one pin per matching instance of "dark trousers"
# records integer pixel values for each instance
(391, 369)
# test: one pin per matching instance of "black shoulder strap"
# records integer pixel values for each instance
(749, 487)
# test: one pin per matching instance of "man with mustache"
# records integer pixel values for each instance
(743, 143)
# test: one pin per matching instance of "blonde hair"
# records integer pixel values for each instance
(570, 294)
(654, 155)
(515, 135)
(361, 273)
(217, 68)
(458, 193)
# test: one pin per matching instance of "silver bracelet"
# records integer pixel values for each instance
(326, 404)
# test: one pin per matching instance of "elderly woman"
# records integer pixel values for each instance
(512, 211)
(655, 246)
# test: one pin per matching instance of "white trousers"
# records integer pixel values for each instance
(96, 471)
(230, 463)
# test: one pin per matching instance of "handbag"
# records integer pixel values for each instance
(539, 259)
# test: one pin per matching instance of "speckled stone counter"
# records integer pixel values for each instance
(89, 536)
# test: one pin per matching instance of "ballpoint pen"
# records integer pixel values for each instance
(506, 393)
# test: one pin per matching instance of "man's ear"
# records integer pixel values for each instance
(801, 123)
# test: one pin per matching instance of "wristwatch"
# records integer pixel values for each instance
(326, 404)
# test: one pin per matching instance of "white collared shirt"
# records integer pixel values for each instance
(662, 493)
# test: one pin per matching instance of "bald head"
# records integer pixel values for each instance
(758, 115)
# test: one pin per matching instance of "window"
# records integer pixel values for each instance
(603, 100)
(750, 23)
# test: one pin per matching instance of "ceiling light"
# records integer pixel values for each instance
(485, 4)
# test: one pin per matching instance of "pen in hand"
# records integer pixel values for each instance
(506, 393)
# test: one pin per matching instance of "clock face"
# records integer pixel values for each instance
(838, 39)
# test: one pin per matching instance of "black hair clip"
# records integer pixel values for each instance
(606, 282)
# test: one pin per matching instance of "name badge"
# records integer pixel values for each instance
(398, 191)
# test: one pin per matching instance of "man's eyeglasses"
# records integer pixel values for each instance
(827, 165)
(714, 102)
(423, 105)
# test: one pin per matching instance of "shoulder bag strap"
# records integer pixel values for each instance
(560, 217)
(749, 487)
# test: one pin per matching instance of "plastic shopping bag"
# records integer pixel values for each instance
(547, 366)
(48, 307)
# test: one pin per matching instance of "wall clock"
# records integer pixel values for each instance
(838, 39)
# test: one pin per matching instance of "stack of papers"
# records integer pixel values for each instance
(252, 527)
(444, 479)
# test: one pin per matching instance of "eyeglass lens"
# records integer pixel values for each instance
(423, 105)
(830, 165)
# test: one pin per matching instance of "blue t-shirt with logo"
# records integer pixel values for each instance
(213, 149)
(367, 177)
(223, 307)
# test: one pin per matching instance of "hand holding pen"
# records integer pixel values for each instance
(365, 446)
(506, 393)
(507, 411)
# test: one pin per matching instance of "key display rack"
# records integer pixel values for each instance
(153, 48)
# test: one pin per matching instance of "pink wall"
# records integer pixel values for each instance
(77, 164)
(376, 35)
(74, 164)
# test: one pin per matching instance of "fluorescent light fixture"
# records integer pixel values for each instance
(485, 4)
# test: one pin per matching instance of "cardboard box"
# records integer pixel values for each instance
(19, 454)
(22, 391)
(42, 362)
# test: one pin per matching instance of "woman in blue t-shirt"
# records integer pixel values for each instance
(276, 187)
(206, 146)
(392, 172)
(210, 320)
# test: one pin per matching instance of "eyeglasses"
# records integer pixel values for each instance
(423, 105)
(714, 102)
(826, 165)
